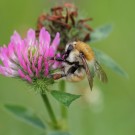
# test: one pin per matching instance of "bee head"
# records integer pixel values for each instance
(69, 47)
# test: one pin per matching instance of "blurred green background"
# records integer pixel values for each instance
(109, 110)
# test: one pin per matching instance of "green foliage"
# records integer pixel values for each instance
(25, 115)
(109, 62)
(101, 33)
(64, 98)
(58, 133)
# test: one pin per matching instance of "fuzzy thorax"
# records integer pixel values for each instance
(85, 49)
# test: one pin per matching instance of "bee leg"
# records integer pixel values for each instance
(63, 60)
(57, 59)
(73, 68)
(57, 76)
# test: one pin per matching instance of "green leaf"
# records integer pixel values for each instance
(109, 62)
(101, 33)
(58, 133)
(25, 115)
(64, 98)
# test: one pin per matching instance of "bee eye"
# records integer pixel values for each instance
(70, 48)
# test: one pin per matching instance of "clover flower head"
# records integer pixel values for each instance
(28, 58)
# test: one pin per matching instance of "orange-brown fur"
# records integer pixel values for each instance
(85, 49)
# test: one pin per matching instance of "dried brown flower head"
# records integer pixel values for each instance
(65, 19)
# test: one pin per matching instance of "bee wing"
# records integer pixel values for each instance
(100, 72)
(88, 73)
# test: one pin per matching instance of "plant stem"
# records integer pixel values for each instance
(63, 112)
(63, 108)
(49, 109)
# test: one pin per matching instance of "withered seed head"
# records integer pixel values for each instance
(64, 19)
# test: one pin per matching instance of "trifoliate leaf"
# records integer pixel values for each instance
(101, 33)
(64, 98)
(25, 115)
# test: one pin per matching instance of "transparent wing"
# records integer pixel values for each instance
(88, 73)
(100, 72)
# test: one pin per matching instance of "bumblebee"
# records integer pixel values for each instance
(75, 61)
